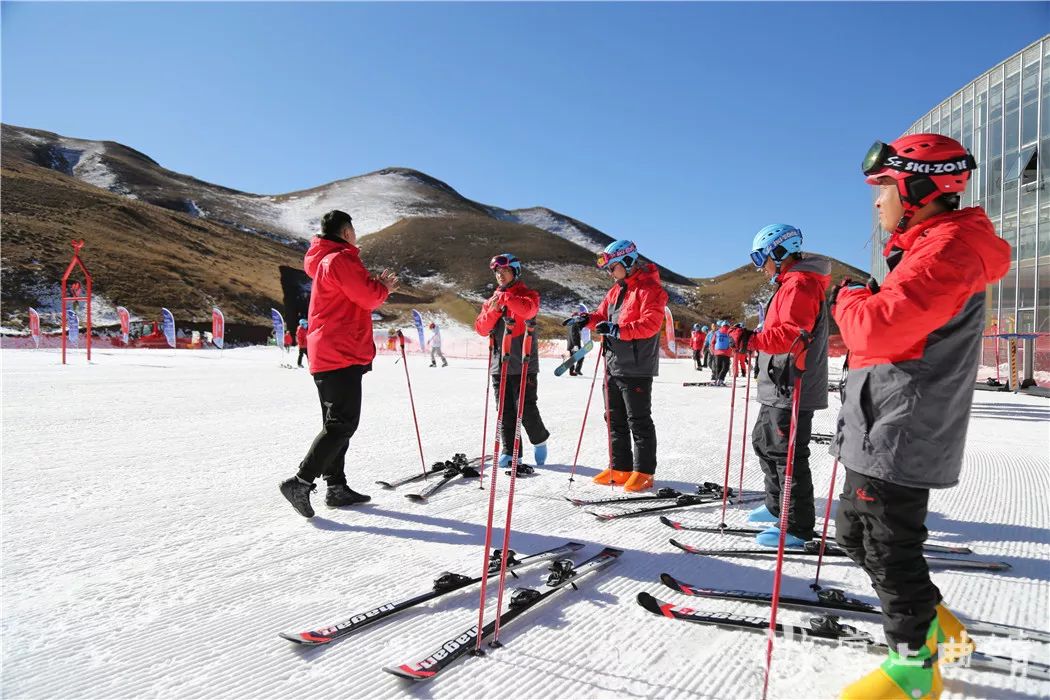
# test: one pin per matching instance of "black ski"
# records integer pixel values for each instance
(698, 383)
(812, 549)
(563, 574)
(684, 501)
(705, 489)
(435, 468)
(457, 466)
(446, 583)
(832, 599)
(829, 628)
(928, 546)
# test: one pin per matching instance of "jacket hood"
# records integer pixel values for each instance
(814, 266)
(319, 248)
(972, 228)
(646, 272)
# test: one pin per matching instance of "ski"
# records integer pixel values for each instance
(832, 599)
(563, 574)
(928, 546)
(435, 468)
(684, 501)
(821, 438)
(446, 583)
(707, 488)
(812, 549)
(574, 358)
(698, 383)
(828, 627)
(458, 466)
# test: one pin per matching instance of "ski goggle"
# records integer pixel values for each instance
(882, 156)
(500, 261)
(605, 259)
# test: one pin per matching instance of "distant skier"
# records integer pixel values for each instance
(300, 338)
(520, 304)
(722, 350)
(391, 339)
(709, 334)
(629, 318)
(797, 305)
(575, 340)
(435, 346)
(914, 348)
(696, 342)
(342, 300)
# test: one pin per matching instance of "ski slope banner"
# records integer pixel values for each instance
(418, 320)
(73, 325)
(34, 326)
(168, 326)
(125, 324)
(278, 326)
(669, 331)
(218, 327)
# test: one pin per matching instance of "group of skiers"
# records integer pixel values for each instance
(713, 348)
(913, 346)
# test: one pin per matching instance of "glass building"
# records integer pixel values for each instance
(1003, 118)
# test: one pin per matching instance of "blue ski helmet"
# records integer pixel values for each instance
(776, 241)
(705, 329)
(623, 251)
(696, 326)
(302, 322)
(506, 260)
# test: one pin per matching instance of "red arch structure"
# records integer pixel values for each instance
(77, 296)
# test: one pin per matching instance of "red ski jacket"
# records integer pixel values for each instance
(522, 304)
(696, 340)
(636, 305)
(341, 304)
(300, 336)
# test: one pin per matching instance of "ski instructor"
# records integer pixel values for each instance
(339, 334)
(914, 345)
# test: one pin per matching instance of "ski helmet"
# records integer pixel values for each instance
(704, 329)
(696, 326)
(302, 322)
(623, 251)
(776, 241)
(924, 167)
(506, 260)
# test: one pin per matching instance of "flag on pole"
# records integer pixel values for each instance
(125, 324)
(218, 327)
(34, 326)
(168, 326)
(669, 331)
(278, 326)
(73, 324)
(418, 320)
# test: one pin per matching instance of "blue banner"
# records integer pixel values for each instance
(168, 326)
(73, 327)
(278, 326)
(418, 320)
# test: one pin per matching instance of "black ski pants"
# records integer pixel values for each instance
(707, 358)
(340, 393)
(631, 428)
(578, 366)
(698, 360)
(531, 420)
(721, 367)
(883, 526)
(302, 354)
(770, 439)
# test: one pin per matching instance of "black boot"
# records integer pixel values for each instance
(298, 494)
(341, 495)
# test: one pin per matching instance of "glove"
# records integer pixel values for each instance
(741, 337)
(873, 285)
(846, 283)
(578, 319)
(610, 329)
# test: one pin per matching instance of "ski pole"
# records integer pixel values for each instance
(586, 410)
(526, 350)
(485, 424)
(729, 445)
(608, 415)
(827, 516)
(412, 402)
(785, 499)
(505, 349)
(743, 440)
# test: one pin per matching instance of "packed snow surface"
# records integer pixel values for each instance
(148, 553)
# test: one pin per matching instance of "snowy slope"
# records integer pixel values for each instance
(147, 552)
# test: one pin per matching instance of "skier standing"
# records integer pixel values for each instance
(435, 346)
(629, 318)
(722, 349)
(342, 300)
(696, 342)
(797, 305)
(914, 347)
(520, 304)
(709, 334)
(575, 342)
(301, 340)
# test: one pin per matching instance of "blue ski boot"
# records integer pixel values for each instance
(539, 452)
(771, 538)
(761, 515)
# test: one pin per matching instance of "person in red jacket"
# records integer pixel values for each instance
(797, 305)
(300, 339)
(514, 301)
(342, 300)
(914, 344)
(721, 351)
(629, 320)
(696, 342)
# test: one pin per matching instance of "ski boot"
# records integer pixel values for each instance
(504, 461)
(340, 495)
(539, 453)
(638, 482)
(771, 538)
(955, 643)
(762, 515)
(916, 676)
(297, 492)
(612, 476)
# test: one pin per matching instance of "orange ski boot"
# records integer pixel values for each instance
(612, 476)
(639, 482)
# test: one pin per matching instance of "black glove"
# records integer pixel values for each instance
(873, 285)
(610, 329)
(580, 319)
(846, 283)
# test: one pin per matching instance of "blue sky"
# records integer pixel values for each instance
(686, 127)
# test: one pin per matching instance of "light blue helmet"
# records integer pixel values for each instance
(506, 260)
(302, 322)
(622, 251)
(776, 241)
(705, 329)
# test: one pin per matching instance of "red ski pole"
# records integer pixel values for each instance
(729, 446)
(743, 440)
(586, 410)
(505, 349)
(412, 402)
(526, 350)
(785, 501)
(608, 415)
(824, 535)
(485, 425)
